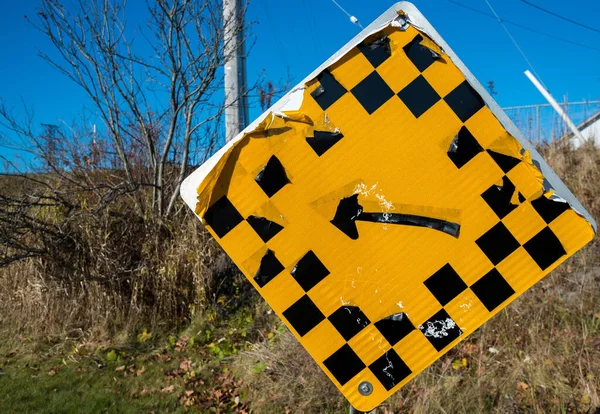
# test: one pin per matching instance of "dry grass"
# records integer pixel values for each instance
(280, 374)
(540, 355)
(136, 278)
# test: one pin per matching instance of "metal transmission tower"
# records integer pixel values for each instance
(236, 106)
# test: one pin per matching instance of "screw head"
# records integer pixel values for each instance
(365, 388)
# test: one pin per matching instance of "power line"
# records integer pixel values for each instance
(525, 27)
(515, 42)
(281, 52)
(351, 17)
(311, 27)
(560, 16)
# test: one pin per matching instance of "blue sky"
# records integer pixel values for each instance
(299, 34)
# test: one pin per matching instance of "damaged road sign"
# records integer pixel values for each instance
(386, 207)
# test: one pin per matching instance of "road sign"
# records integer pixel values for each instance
(386, 207)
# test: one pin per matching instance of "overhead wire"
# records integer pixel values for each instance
(529, 29)
(311, 27)
(560, 16)
(515, 42)
(351, 17)
(282, 54)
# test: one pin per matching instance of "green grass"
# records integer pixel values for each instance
(62, 386)
(183, 372)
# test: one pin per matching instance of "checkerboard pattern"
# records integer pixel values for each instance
(375, 347)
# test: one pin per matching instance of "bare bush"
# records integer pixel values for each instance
(93, 212)
(157, 100)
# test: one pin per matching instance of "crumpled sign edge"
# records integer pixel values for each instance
(197, 188)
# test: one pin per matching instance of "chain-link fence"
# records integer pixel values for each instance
(540, 123)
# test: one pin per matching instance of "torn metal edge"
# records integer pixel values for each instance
(395, 16)
(292, 101)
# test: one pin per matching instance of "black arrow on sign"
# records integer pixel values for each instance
(349, 211)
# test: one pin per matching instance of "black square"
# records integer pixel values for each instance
(498, 243)
(344, 364)
(323, 141)
(464, 148)
(440, 330)
(419, 96)
(222, 216)
(377, 51)
(309, 271)
(303, 315)
(464, 101)
(545, 248)
(272, 177)
(372, 92)
(390, 369)
(499, 198)
(270, 267)
(349, 320)
(505, 162)
(445, 284)
(492, 289)
(421, 56)
(329, 90)
(266, 229)
(395, 327)
(549, 209)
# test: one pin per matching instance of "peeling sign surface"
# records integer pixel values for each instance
(386, 208)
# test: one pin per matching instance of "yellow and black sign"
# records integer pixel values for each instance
(389, 216)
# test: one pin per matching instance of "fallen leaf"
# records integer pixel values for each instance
(459, 364)
(182, 342)
(469, 348)
(168, 389)
(141, 370)
(185, 365)
(121, 368)
(522, 386)
(144, 336)
(111, 356)
(52, 372)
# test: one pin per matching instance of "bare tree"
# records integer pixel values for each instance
(154, 87)
(155, 94)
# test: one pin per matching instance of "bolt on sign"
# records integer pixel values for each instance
(386, 207)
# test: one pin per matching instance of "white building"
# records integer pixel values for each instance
(590, 129)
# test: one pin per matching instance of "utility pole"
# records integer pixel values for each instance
(236, 104)
(556, 107)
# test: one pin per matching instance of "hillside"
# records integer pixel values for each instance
(177, 328)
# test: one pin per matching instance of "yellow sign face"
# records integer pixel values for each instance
(389, 216)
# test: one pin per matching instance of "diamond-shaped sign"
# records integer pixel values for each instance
(386, 207)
